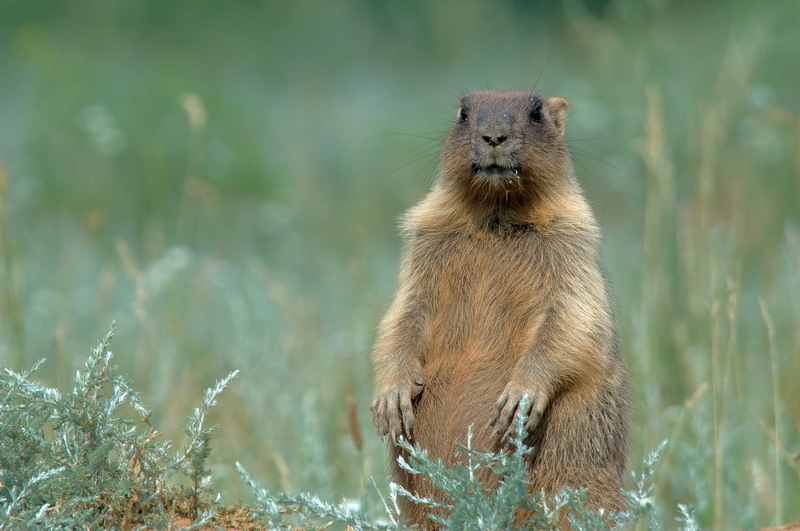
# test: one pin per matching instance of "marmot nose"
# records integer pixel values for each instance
(494, 140)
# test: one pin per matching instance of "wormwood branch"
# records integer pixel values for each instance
(686, 517)
(17, 496)
(192, 461)
(464, 502)
(465, 499)
(72, 460)
(308, 510)
(640, 500)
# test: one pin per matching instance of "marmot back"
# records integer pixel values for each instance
(501, 295)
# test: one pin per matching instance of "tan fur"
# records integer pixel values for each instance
(501, 295)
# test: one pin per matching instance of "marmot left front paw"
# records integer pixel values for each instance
(509, 404)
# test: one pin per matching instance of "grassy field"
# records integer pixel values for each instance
(224, 180)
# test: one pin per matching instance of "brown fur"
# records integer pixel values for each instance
(501, 295)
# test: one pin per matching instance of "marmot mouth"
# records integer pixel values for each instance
(495, 171)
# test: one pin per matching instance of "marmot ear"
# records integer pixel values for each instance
(558, 112)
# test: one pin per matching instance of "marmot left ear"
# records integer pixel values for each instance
(558, 112)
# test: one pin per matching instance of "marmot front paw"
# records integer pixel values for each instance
(392, 412)
(509, 404)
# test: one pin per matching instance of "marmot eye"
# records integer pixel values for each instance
(536, 114)
(461, 114)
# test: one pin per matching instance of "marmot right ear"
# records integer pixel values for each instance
(558, 112)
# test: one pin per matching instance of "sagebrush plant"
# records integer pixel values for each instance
(75, 459)
(467, 504)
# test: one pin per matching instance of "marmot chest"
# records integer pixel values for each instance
(487, 296)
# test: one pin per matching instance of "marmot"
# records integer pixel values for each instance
(500, 295)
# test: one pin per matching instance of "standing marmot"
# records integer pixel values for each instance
(501, 295)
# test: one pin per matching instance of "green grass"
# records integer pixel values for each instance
(264, 239)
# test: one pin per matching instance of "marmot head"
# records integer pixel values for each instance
(507, 147)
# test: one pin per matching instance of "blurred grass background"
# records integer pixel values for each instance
(224, 180)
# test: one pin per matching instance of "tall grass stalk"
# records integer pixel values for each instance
(775, 410)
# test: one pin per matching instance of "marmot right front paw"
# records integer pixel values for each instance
(392, 412)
